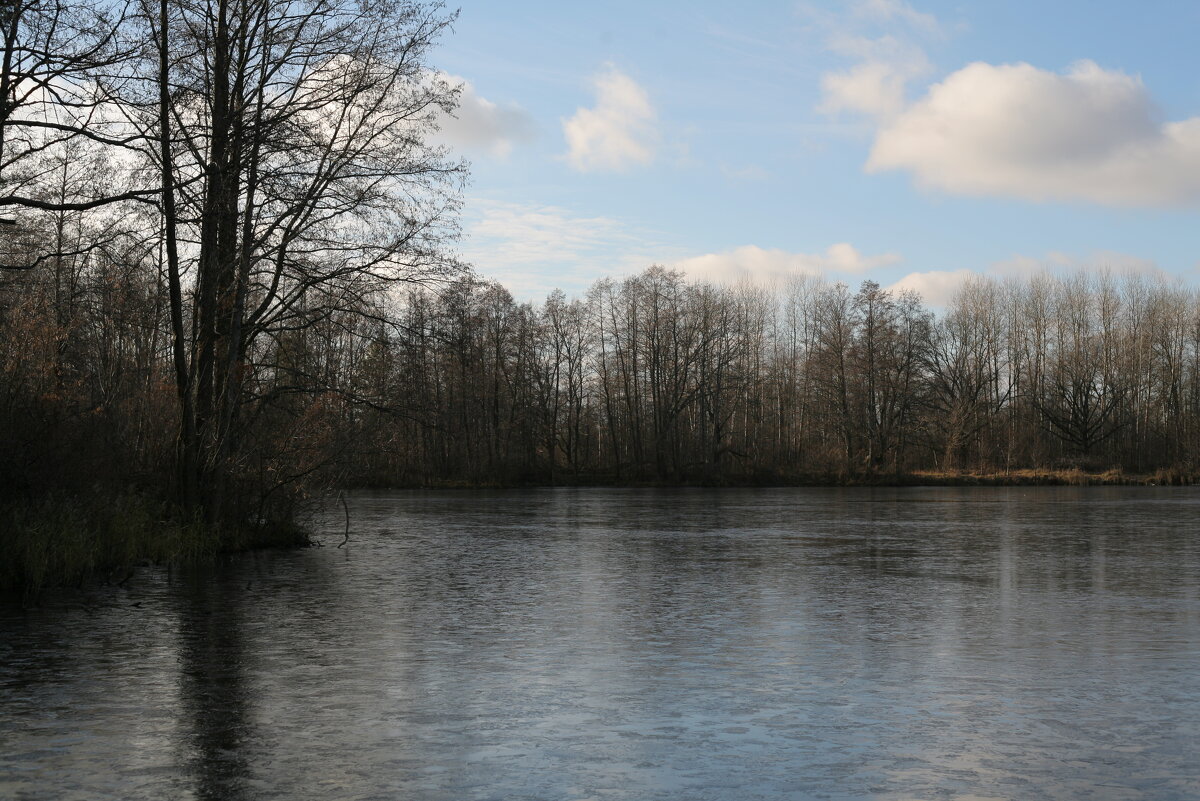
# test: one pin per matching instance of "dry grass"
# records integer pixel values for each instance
(1074, 477)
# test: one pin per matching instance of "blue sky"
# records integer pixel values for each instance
(901, 142)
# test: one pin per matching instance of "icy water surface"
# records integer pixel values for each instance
(639, 644)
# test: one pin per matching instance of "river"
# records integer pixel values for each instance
(1008, 643)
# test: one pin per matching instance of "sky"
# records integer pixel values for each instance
(908, 143)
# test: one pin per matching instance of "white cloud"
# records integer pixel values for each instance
(1059, 263)
(521, 234)
(1124, 263)
(1018, 131)
(898, 10)
(618, 132)
(877, 84)
(874, 88)
(936, 287)
(1021, 266)
(762, 266)
(533, 248)
(480, 125)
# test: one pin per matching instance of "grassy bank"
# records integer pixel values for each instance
(69, 541)
(1071, 477)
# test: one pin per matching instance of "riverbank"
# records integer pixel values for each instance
(70, 541)
(1077, 478)
(1031, 477)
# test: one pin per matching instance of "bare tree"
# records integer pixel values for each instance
(297, 185)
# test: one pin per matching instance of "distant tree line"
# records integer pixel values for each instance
(654, 378)
(660, 378)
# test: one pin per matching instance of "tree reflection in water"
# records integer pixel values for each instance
(214, 696)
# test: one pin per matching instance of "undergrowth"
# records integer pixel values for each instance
(71, 540)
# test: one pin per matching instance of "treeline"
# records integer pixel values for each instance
(662, 379)
(655, 378)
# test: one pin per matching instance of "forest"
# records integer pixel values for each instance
(649, 379)
(663, 379)
(228, 284)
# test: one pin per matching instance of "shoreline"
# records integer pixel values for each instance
(57, 544)
(918, 478)
(75, 541)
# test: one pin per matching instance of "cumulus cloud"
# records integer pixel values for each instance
(877, 84)
(763, 266)
(875, 88)
(618, 132)
(936, 287)
(1015, 130)
(480, 125)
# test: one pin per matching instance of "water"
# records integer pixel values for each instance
(639, 644)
